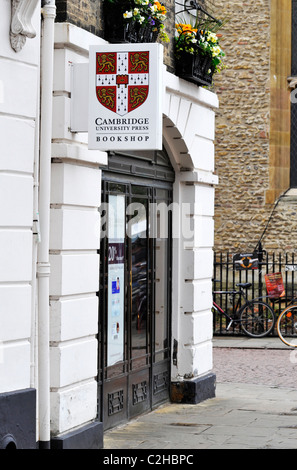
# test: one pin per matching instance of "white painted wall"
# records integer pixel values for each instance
(74, 238)
(74, 245)
(76, 184)
(19, 79)
(190, 121)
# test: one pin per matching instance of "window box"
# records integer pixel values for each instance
(134, 21)
(195, 68)
(129, 33)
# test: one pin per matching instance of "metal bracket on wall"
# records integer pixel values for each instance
(21, 26)
(190, 5)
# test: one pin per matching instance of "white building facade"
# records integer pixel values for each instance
(54, 271)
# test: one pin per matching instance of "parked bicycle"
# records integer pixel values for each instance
(286, 324)
(255, 317)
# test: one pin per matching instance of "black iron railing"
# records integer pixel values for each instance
(226, 277)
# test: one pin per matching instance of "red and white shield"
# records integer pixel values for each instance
(122, 80)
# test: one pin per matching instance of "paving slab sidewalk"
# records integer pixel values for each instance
(241, 416)
(271, 342)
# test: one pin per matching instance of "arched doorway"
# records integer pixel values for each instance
(135, 287)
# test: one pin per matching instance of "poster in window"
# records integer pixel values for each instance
(116, 280)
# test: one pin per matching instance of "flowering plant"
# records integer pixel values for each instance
(191, 40)
(148, 13)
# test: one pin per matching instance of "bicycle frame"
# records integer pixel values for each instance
(255, 317)
(230, 319)
(222, 312)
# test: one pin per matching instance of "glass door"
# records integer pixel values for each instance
(134, 330)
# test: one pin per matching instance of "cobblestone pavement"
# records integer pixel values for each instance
(275, 368)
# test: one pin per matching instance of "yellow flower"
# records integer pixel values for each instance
(185, 28)
(160, 7)
(212, 37)
(216, 51)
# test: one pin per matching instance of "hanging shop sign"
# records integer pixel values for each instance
(274, 285)
(125, 94)
(244, 261)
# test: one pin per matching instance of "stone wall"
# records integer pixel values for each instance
(253, 127)
(253, 122)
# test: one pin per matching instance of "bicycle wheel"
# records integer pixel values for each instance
(287, 326)
(257, 319)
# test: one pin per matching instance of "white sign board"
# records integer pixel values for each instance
(125, 92)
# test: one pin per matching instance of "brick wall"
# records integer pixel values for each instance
(83, 13)
(87, 14)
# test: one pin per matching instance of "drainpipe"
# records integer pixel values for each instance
(36, 233)
(43, 265)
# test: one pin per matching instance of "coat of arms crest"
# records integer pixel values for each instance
(122, 80)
